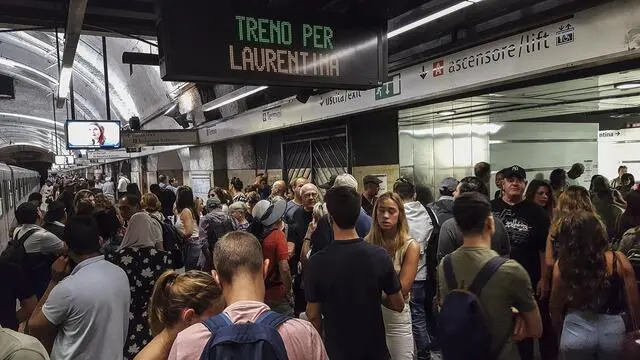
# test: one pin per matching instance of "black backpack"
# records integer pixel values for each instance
(259, 340)
(15, 252)
(464, 331)
(171, 242)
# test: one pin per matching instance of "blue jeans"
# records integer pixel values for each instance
(587, 335)
(419, 320)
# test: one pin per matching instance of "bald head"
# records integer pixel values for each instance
(238, 252)
(279, 188)
(309, 196)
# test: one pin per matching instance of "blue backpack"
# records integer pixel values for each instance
(465, 332)
(256, 341)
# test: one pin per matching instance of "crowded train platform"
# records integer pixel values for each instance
(330, 179)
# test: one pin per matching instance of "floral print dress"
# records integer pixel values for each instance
(143, 266)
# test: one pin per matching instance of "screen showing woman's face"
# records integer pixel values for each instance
(94, 132)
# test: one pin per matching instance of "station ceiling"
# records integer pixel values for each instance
(30, 56)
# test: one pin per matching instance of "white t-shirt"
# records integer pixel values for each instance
(122, 184)
(41, 241)
(91, 307)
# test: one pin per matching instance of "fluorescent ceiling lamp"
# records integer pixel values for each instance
(447, 113)
(233, 99)
(429, 18)
(64, 83)
(170, 109)
(35, 118)
(628, 86)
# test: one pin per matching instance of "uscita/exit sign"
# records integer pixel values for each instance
(390, 88)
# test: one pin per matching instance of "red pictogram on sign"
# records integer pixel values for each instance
(438, 68)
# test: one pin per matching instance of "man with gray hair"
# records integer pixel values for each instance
(316, 239)
(298, 227)
(213, 226)
(279, 188)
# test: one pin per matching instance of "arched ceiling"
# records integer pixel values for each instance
(29, 57)
(25, 153)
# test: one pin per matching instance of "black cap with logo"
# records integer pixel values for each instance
(515, 171)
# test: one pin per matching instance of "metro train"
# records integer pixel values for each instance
(15, 186)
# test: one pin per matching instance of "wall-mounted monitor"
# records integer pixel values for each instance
(84, 134)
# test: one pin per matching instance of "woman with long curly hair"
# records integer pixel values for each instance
(575, 198)
(596, 285)
(391, 232)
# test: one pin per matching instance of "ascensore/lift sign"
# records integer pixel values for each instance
(208, 41)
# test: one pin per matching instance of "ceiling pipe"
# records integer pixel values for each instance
(75, 19)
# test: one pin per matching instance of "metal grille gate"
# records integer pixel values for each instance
(316, 155)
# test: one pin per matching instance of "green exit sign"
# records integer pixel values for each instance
(390, 88)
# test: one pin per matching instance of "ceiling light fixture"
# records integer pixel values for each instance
(627, 85)
(170, 109)
(215, 105)
(432, 17)
(65, 82)
(446, 113)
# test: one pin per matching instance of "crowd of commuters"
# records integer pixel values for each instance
(100, 269)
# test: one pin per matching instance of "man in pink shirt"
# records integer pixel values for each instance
(240, 271)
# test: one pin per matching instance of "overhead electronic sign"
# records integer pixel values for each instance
(243, 47)
(136, 139)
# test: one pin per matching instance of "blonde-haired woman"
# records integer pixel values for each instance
(391, 232)
(179, 301)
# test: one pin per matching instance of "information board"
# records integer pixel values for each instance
(245, 47)
(135, 139)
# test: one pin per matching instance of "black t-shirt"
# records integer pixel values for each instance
(347, 278)
(367, 205)
(528, 226)
(14, 285)
(298, 227)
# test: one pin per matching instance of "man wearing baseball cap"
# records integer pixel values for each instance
(528, 226)
(443, 208)
(370, 194)
(268, 228)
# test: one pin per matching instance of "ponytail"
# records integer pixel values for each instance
(174, 292)
(159, 301)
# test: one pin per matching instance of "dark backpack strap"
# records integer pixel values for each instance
(272, 318)
(434, 218)
(449, 275)
(485, 274)
(25, 236)
(217, 322)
